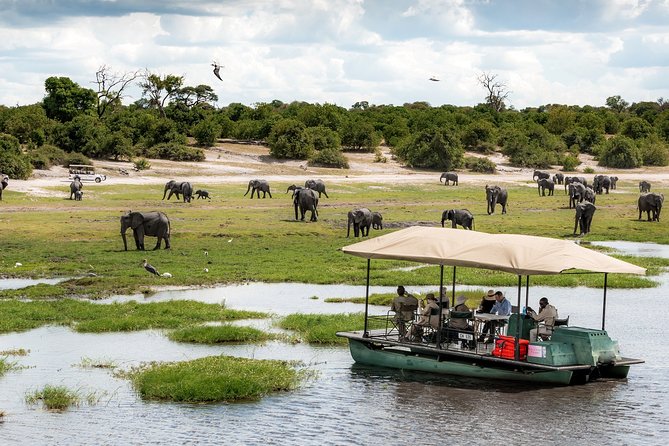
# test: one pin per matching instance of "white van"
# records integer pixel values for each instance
(85, 173)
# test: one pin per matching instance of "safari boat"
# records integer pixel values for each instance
(571, 355)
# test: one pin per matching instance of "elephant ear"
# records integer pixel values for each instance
(136, 219)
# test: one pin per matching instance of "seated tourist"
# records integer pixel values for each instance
(547, 315)
(404, 306)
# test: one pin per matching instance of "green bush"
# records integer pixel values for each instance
(431, 148)
(636, 128)
(175, 151)
(12, 161)
(142, 164)
(206, 132)
(482, 165)
(621, 152)
(654, 153)
(588, 170)
(288, 139)
(330, 157)
(54, 155)
(569, 163)
(75, 158)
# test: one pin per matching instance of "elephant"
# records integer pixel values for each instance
(75, 186)
(3, 184)
(583, 218)
(494, 195)
(614, 182)
(179, 188)
(294, 188)
(377, 220)
(449, 176)
(201, 193)
(460, 217)
(543, 184)
(589, 195)
(317, 185)
(601, 182)
(644, 186)
(306, 200)
(651, 203)
(361, 218)
(558, 178)
(78, 195)
(539, 174)
(155, 224)
(576, 193)
(257, 186)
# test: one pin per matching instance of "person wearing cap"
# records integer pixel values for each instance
(547, 315)
(487, 302)
(404, 306)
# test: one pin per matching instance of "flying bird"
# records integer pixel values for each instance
(150, 268)
(434, 79)
(217, 70)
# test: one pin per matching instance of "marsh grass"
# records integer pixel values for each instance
(220, 334)
(321, 328)
(473, 297)
(90, 363)
(60, 398)
(214, 378)
(15, 352)
(85, 316)
(258, 240)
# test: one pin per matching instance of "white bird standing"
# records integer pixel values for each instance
(150, 268)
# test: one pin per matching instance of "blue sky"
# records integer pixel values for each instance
(343, 51)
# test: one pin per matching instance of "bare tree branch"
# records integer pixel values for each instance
(111, 87)
(496, 90)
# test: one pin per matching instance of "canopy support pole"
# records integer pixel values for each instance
(606, 275)
(441, 302)
(518, 321)
(365, 333)
(453, 291)
(527, 291)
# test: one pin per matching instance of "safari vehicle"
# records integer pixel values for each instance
(572, 355)
(85, 172)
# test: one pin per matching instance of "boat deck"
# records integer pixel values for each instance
(482, 352)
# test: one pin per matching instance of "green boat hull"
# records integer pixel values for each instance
(364, 353)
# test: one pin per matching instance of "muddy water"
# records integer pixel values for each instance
(346, 403)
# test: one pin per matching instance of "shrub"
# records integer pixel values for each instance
(588, 170)
(206, 132)
(569, 163)
(431, 148)
(378, 156)
(620, 151)
(482, 165)
(289, 140)
(636, 128)
(49, 155)
(322, 138)
(175, 151)
(654, 153)
(12, 161)
(329, 157)
(75, 158)
(142, 164)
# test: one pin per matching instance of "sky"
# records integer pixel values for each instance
(575, 52)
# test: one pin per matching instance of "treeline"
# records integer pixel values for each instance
(173, 121)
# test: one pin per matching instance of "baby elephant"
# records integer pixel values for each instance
(460, 217)
(202, 194)
(377, 220)
(78, 195)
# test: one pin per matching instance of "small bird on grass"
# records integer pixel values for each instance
(168, 275)
(150, 268)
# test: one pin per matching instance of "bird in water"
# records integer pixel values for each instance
(434, 79)
(217, 70)
(150, 268)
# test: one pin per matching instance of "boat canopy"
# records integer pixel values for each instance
(512, 253)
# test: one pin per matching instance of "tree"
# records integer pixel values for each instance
(358, 134)
(206, 132)
(497, 92)
(432, 148)
(12, 161)
(616, 103)
(288, 140)
(194, 96)
(160, 89)
(66, 100)
(636, 128)
(111, 87)
(621, 152)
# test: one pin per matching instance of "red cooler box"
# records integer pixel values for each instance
(505, 347)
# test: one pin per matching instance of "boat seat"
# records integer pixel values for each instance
(399, 321)
(559, 322)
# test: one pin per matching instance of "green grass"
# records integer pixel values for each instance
(321, 328)
(258, 240)
(214, 378)
(60, 398)
(90, 363)
(85, 316)
(220, 334)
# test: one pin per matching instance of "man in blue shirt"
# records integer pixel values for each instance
(503, 308)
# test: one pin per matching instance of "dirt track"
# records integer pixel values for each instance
(238, 163)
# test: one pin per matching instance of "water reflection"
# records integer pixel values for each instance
(14, 283)
(637, 248)
(347, 403)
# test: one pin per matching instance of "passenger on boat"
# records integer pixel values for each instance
(487, 302)
(501, 307)
(426, 317)
(460, 307)
(547, 314)
(404, 306)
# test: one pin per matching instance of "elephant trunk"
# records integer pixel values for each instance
(248, 189)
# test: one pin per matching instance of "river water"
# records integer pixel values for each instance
(346, 403)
